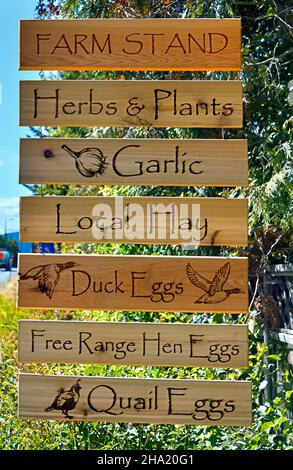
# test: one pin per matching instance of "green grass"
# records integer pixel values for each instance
(271, 429)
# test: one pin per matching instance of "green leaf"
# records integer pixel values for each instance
(270, 11)
(280, 421)
(267, 425)
(274, 357)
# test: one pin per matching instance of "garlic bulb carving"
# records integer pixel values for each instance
(89, 161)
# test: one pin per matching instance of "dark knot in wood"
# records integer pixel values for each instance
(48, 153)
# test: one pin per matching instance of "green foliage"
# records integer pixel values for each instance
(8, 244)
(271, 428)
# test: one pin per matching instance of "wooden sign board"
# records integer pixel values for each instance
(143, 103)
(161, 401)
(138, 283)
(165, 162)
(140, 220)
(153, 344)
(131, 44)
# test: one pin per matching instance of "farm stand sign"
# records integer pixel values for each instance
(131, 44)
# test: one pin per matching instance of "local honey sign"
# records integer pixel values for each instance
(142, 103)
(157, 344)
(162, 401)
(138, 283)
(131, 44)
(162, 162)
(141, 220)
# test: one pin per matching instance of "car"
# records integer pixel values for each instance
(5, 260)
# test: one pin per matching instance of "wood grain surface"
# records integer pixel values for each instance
(137, 283)
(140, 220)
(158, 344)
(162, 401)
(131, 44)
(131, 103)
(162, 162)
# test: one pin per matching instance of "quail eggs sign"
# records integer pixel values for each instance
(194, 402)
(131, 44)
(139, 283)
(165, 162)
(146, 220)
(158, 344)
(125, 103)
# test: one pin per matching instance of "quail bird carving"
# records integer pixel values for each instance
(47, 275)
(214, 291)
(66, 400)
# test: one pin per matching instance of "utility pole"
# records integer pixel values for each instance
(6, 220)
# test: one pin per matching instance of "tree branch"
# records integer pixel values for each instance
(284, 54)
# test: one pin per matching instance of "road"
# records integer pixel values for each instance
(6, 275)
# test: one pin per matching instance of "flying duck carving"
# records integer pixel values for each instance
(214, 291)
(47, 275)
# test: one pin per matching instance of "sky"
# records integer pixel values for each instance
(10, 132)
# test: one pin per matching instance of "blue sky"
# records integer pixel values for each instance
(10, 132)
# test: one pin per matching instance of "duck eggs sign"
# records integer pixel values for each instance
(131, 44)
(126, 103)
(158, 344)
(139, 283)
(147, 220)
(194, 162)
(135, 400)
